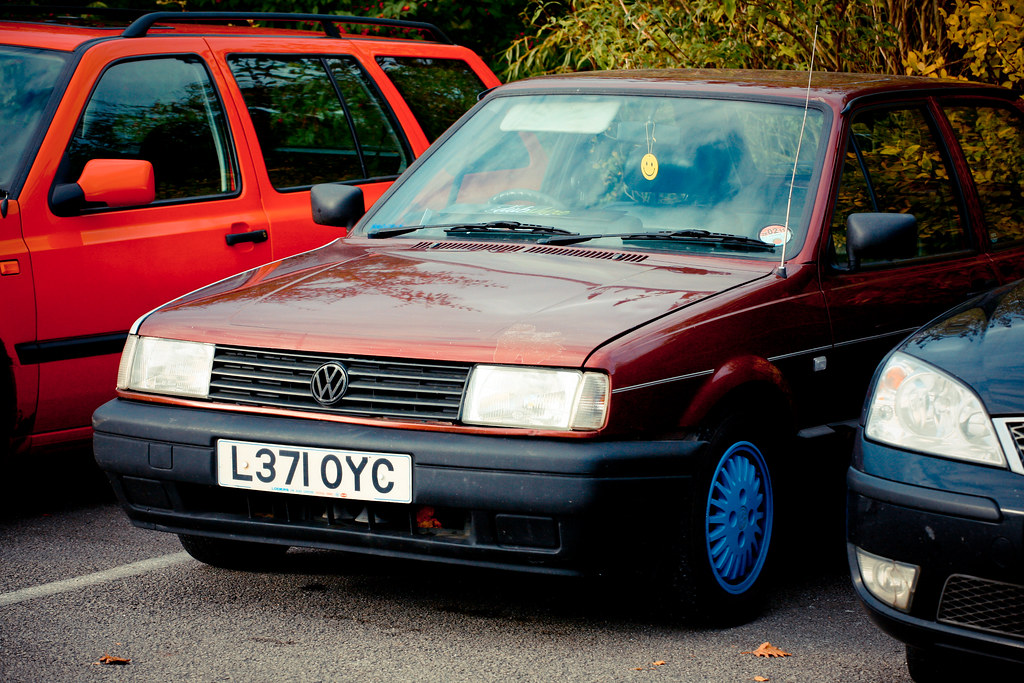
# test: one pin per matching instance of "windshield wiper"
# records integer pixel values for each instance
(697, 236)
(502, 227)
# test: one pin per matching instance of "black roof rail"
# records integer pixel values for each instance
(140, 27)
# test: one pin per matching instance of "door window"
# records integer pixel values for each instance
(992, 140)
(894, 163)
(165, 111)
(438, 91)
(318, 120)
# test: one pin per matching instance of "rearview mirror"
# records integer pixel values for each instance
(880, 237)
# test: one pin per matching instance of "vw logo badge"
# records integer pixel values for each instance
(329, 383)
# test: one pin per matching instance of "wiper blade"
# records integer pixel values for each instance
(698, 236)
(503, 227)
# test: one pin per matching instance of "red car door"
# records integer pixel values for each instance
(96, 269)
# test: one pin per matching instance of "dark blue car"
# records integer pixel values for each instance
(936, 492)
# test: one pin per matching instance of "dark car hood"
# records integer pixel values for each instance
(466, 301)
(982, 343)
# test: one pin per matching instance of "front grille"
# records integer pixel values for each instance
(984, 605)
(377, 387)
(1015, 428)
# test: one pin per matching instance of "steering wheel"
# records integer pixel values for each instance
(523, 195)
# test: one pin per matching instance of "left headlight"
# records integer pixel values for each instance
(165, 366)
(539, 398)
(916, 406)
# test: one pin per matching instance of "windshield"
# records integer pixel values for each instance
(28, 77)
(622, 171)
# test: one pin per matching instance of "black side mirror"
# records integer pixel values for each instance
(880, 236)
(336, 205)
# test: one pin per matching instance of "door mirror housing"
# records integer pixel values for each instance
(880, 236)
(113, 183)
(337, 205)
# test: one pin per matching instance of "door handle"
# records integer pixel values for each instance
(255, 236)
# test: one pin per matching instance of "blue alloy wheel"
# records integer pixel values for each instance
(738, 518)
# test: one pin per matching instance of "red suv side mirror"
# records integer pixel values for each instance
(111, 182)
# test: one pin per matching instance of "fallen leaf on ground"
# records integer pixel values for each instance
(768, 650)
(760, 679)
(108, 658)
(652, 666)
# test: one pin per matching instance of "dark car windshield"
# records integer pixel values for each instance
(28, 77)
(621, 166)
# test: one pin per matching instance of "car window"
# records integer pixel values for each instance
(618, 168)
(28, 77)
(992, 139)
(380, 145)
(894, 164)
(165, 111)
(438, 91)
(307, 130)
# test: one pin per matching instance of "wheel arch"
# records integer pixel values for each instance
(748, 384)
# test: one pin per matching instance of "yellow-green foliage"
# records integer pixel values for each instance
(980, 39)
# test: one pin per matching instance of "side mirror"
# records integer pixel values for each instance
(880, 236)
(106, 182)
(336, 205)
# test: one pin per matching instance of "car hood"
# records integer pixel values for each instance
(980, 342)
(465, 301)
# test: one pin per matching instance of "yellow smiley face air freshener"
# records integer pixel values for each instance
(649, 162)
(649, 166)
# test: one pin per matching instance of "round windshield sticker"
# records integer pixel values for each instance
(775, 234)
(649, 166)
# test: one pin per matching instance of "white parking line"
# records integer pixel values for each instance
(125, 570)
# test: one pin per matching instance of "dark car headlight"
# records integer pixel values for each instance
(918, 407)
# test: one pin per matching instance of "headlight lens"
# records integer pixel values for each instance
(890, 581)
(918, 407)
(536, 397)
(166, 366)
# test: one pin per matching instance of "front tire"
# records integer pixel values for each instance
(228, 554)
(719, 566)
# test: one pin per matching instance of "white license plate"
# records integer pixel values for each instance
(323, 472)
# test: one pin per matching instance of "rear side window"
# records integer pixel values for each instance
(992, 139)
(894, 164)
(165, 111)
(438, 91)
(318, 120)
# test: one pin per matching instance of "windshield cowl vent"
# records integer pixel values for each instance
(539, 249)
(588, 253)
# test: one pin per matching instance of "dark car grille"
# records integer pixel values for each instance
(377, 387)
(981, 604)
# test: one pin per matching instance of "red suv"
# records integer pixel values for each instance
(139, 162)
(604, 323)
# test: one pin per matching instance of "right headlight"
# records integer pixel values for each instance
(918, 407)
(165, 366)
(539, 398)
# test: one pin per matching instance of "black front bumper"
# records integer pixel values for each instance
(963, 525)
(552, 505)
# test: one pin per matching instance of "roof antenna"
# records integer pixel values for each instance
(781, 272)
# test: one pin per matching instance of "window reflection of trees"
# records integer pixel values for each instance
(179, 128)
(306, 132)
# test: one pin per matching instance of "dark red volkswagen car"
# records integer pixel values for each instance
(600, 325)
